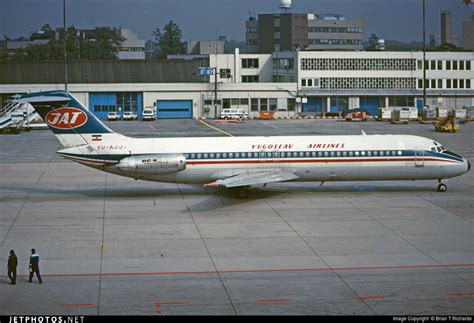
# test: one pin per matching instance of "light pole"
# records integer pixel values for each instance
(424, 57)
(65, 45)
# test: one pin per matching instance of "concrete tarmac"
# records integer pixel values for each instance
(112, 245)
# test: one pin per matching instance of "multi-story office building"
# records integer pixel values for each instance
(302, 31)
(468, 34)
(132, 47)
(337, 81)
(205, 47)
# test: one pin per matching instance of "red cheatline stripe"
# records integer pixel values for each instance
(236, 271)
(273, 300)
(369, 297)
(77, 305)
(461, 294)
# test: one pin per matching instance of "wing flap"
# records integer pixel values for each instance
(254, 178)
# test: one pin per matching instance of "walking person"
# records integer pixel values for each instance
(12, 264)
(34, 266)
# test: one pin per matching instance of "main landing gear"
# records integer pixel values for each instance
(241, 192)
(442, 187)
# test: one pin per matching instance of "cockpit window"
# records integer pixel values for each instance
(433, 149)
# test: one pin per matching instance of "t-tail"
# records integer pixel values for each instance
(71, 122)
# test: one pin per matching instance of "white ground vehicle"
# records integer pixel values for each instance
(129, 115)
(233, 114)
(149, 114)
(113, 116)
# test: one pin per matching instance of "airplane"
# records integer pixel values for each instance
(239, 162)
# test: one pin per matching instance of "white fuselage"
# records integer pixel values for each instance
(311, 158)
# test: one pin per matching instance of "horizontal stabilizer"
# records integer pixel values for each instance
(43, 99)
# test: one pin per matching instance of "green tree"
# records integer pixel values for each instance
(100, 43)
(3, 53)
(169, 41)
(372, 42)
(448, 47)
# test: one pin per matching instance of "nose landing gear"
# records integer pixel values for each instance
(442, 187)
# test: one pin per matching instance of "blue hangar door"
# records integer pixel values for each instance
(102, 103)
(370, 104)
(174, 109)
(313, 105)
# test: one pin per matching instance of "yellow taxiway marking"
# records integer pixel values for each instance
(217, 129)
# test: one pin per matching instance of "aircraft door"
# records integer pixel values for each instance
(419, 158)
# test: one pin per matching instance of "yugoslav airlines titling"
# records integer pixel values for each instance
(239, 162)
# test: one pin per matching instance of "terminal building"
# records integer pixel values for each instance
(287, 83)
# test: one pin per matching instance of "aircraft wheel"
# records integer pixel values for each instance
(442, 188)
(241, 192)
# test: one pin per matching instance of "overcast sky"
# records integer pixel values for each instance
(203, 19)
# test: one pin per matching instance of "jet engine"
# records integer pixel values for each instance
(153, 164)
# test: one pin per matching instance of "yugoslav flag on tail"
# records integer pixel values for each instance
(71, 122)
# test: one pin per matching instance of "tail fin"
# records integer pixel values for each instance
(70, 121)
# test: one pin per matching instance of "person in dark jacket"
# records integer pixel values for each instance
(34, 266)
(12, 264)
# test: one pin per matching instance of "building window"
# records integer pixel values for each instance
(440, 65)
(448, 84)
(359, 64)
(253, 104)
(468, 84)
(273, 104)
(224, 73)
(291, 103)
(401, 101)
(249, 78)
(249, 62)
(263, 104)
(244, 101)
(226, 104)
(448, 65)
(468, 65)
(420, 83)
(440, 84)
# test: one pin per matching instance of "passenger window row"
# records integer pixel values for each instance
(294, 154)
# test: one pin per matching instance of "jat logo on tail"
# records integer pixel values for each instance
(66, 118)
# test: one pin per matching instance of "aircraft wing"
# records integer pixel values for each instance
(254, 178)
